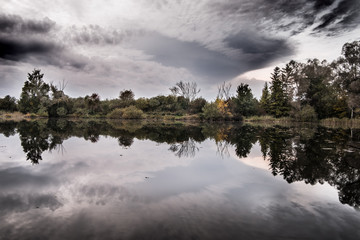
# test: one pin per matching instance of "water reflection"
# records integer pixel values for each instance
(184, 149)
(150, 194)
(312, 155)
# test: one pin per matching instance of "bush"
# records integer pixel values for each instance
(126, 113)
(42, 112)
(132, 113)
(61, 112)
(81, 112)
(211, 111)
(142, 104)
(307, 114)
(116, 113)
(197, 105)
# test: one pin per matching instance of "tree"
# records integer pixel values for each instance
(188, 90)
(8, 103)
(35, 93)
(211, 111)
(265, 98)
(60, 103)
(127, 96)
(224, 91)
(319, 93)
(349, 74)
(196, 105)
(279, 106)
(244, 102)
(93, 102)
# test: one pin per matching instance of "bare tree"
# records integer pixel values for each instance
(188, 90)
(224, 91)
(58, 92)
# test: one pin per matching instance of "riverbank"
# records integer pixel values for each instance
(161, 116)
(286, 121)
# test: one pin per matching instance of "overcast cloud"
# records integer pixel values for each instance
(148, 46)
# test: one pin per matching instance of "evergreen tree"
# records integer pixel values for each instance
(279, 105)
(35, 93)
(244, 101)
(265, 98)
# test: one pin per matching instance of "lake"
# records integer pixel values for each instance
(144, 180)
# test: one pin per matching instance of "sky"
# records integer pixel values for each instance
(148, 46)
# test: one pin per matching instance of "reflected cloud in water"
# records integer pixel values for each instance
(125, 180)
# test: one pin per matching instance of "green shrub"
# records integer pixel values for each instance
(61, 112)
(81, 112)
(307, 114)
(42, 112)
(132, 112)
(126, 113)
(116, 113)
(211, 111)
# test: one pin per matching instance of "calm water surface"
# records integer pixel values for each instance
(134, 180)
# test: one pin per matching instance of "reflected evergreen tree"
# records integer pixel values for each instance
(326, 156)
(244, 138)
(34, 140)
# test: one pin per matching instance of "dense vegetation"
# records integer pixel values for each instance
(303, 91)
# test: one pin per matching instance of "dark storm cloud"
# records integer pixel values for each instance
(20, 38)
(191, 55)
(30, 41)
(333, 18)
(17, 49)
(252, 52)
(16, 24)
(258, 50)
(38, 51)
(344, 16)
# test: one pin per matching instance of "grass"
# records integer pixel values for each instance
(175, 117)
(340, 123)
(14, 116)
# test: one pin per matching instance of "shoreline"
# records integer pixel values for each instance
(254, 120)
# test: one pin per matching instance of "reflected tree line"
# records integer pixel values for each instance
(313, 155)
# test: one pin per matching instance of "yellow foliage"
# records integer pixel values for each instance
(223, 107)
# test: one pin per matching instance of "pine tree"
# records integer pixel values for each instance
(279, 105)
(244, 101)
(35, 93)
(265, 98)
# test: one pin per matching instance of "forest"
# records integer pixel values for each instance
(301, 91)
